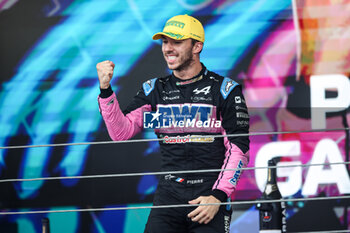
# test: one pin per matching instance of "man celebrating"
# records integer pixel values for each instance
(196, 105)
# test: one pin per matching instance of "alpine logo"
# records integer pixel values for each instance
(205, 90)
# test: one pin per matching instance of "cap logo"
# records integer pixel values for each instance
(177, 36)
(175, 23)
(182, 27)
(195, 35)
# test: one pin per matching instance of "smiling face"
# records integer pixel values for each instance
(178, 54)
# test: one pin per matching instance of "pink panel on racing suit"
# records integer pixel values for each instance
(234, 159)
(121, 127)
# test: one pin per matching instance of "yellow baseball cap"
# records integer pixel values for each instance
(181, 27)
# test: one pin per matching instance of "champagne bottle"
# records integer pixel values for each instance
(272, 217)
(45, 225)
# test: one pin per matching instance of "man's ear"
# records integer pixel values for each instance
(197, 47)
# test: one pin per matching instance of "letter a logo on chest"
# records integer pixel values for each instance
(205, 90)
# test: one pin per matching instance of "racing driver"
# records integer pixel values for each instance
(189, 110)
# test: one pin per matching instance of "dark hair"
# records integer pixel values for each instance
(194, 41)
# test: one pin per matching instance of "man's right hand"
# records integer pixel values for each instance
(105, 73)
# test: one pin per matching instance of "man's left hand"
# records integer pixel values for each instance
(204, 214)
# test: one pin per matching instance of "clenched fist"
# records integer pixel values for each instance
(105, 73)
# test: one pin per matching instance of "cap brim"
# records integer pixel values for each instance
(174, 36)
(157, 36)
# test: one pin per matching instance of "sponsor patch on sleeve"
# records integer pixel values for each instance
(237, 174)
(227, 86)
(110, 102)
(148, 86)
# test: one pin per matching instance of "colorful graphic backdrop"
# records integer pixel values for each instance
(291, 56)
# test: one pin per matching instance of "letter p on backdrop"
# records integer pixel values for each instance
(320, 105)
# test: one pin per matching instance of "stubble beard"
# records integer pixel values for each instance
(186, 63)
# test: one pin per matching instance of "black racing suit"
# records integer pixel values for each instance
(180, 111)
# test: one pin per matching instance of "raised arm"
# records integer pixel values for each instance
(121, 125)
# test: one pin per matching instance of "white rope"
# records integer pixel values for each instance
(335, 231)
(3, 212)
(163, 173)
(161, 139)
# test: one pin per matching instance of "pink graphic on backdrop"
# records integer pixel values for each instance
(265, 93)
(7, 4)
